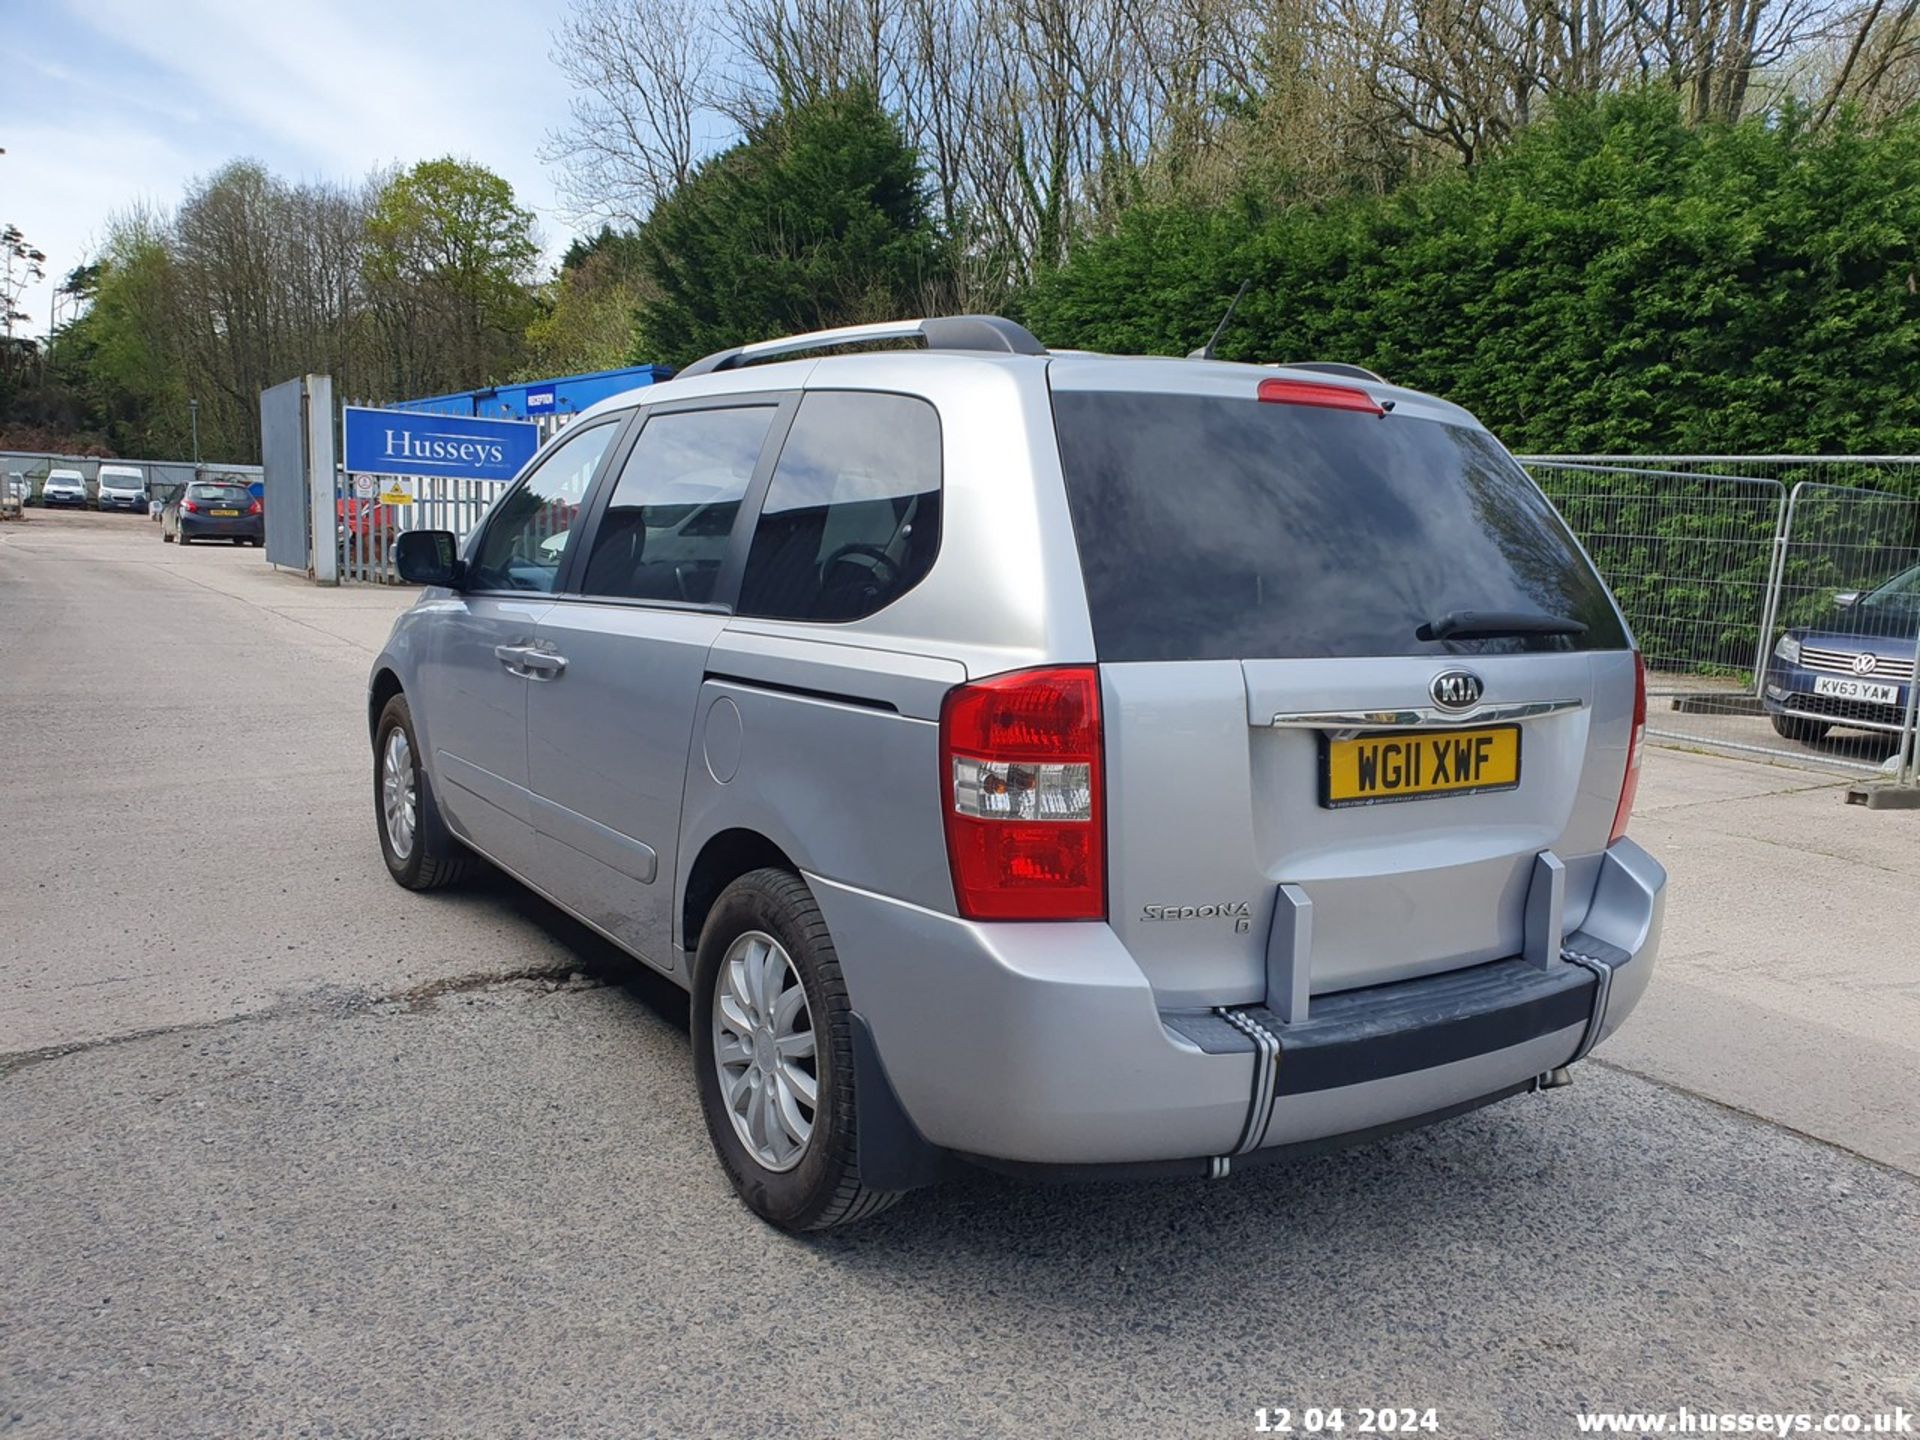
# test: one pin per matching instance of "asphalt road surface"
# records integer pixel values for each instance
(288, 1151)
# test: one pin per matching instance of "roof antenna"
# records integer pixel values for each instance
(1205, 352)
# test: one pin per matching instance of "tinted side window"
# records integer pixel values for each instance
(527, 535)
(852, 516)
(665, 532)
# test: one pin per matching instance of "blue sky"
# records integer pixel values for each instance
(130, 99)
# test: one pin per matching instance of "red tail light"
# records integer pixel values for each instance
(254, 508)
(1636, 748)
(1326, 397)
(1020, 776)
(190, 507)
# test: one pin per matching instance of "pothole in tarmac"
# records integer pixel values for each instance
(494, 987)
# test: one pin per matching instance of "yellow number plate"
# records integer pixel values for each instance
(226, 512)
(1418, 764)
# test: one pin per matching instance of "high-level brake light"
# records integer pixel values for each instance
(1314, 392)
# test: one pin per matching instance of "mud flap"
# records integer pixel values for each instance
(891, 1151)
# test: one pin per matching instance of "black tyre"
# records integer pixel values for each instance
(420, 852)
(182, 538)
(773, 1056)
(1795, 727)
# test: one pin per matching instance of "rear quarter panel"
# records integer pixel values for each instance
(848, 792)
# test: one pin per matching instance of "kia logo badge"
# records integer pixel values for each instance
(1865, 664)
(1456, 689)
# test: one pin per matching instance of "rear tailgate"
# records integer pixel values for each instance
(1258, 575)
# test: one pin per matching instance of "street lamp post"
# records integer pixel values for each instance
(193, 413)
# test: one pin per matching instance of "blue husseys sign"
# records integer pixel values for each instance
(405, 442)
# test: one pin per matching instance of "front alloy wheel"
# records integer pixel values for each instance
(414, 841)
(398, 798)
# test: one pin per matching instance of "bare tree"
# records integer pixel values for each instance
(1041, 121)
(1875, 64)
(642, 72)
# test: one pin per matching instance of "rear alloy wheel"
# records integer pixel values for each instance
(419, 852)
(763, 1048)
(773, 1056)
(1795, 727)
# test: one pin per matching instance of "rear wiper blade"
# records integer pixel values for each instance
(1494, 624)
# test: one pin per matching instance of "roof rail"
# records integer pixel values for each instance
(1335, 367)
(940, 332)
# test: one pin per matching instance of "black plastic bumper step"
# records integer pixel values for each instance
(1355, 1036)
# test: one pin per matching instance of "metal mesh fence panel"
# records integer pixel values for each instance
(1689, 558)
(1845, 614)
(1887, 474)
(1723, 564)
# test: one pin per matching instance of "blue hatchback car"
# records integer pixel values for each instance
(1853, 666)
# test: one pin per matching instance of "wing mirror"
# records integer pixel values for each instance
(1847, 599)
(429, 557)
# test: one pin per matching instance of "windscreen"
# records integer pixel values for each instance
(1216, 528)
(1891, 610)
(222, 494)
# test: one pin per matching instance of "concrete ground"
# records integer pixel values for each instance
(290, 1151)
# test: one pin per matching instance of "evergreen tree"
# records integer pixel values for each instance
(819, 218)
(1617, 281)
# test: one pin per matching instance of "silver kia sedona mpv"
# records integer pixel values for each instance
(1066, 764)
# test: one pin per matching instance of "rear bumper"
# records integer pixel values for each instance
(1042, 1045)
(244, 527)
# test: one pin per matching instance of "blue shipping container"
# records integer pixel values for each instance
(536, 399)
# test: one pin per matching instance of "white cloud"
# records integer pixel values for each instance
(64, 181)
(326, 88)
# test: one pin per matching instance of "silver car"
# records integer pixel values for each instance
(1058, 763)
(64, 487)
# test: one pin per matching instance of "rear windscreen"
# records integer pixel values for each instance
(222, 494)
(1214, 528)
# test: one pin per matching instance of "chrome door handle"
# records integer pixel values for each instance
(514, 657)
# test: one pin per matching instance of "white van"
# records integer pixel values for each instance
(122, 487)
